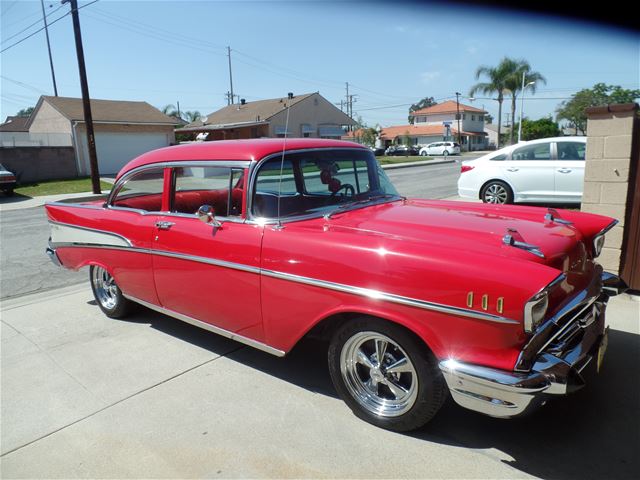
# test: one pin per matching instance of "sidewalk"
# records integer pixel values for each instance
(84, 396)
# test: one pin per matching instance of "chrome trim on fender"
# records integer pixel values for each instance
(211, 328)
(389, 297)
(360, 291)
(598, 239)
(75, 205)
(62, 233)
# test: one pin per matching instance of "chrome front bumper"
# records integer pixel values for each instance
(557, 365)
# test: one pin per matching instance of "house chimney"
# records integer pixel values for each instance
(290, 95)
(242, 101)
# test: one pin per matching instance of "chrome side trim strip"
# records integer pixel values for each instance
(360, 291)
(389, 297)
(66, 233)
(75, 205)
(211, 328)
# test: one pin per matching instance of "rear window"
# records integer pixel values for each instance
(571, 150)
(502, 156)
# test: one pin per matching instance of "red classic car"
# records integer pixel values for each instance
(268, 241)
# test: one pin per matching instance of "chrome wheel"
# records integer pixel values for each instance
(105, 288)
(378, 374)
(495, 193)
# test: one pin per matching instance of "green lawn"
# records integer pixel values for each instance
(384, 160)
(55, 187)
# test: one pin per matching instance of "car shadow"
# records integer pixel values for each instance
(15, 198)
(591, 434)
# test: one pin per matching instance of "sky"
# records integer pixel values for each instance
(391, 54)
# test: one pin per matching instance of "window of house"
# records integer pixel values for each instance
(220, 187)
(481, 118)
(473, 117)
(143, 191)
(464, 116)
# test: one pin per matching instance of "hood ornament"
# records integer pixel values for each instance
(554, 217)
(514, 239)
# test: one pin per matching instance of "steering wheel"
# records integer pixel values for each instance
(347, 187)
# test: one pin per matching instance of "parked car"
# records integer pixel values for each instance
(545, 170)
(269, 242)
(7, 181)
(378, 152)
(401, 150)
(440, 148)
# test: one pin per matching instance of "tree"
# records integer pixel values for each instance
(191, 116)
(25, 112)
(542, 128)
(573, 110)
(488, 118)
(496, 83)
(424, 103)
(513, 83)
(170, 110)
(369, 136)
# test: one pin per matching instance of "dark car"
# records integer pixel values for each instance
(7, 181)
(401, 150)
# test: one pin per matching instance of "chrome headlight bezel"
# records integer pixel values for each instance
(535, 310)
(598, 240)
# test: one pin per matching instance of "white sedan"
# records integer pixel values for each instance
(440, 148)
(543, 170)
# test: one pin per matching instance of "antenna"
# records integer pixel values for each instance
(284, 147)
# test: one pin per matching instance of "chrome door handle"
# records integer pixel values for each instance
(164, 225)
(564, 170)
(512, 169)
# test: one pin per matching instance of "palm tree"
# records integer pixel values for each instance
(496, 83)
(191, 116)
(170, 110)
(514, 83)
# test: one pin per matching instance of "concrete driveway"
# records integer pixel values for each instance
(84, 396)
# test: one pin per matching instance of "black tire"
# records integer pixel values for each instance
(107, 294)
(423, 153)
(9, 192)
(423, 388)
(445, 153)
(497, 192)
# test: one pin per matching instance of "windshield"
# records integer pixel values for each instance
(318, 181)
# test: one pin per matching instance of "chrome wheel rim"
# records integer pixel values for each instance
(105, 288)
(495, 193)
(379, 374)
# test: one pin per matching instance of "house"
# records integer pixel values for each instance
(444, 117)
(123, 129)
(13, 131)
(310, 115)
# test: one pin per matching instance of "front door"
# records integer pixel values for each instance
(530, 171)
(209, 273)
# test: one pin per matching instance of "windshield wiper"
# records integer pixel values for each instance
(365, 201)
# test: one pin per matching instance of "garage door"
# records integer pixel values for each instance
(114, 150)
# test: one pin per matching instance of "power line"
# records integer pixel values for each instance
(33, 24)
(41, 29)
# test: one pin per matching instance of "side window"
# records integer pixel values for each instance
(220, 187)
(502, 156)
(326, 177)
(143, 191)
(539, 151)
(571, 150)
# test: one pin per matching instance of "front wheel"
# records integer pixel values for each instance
(385, 375)
(423, 153)
(107, 294)
(445, 153)
(496, 192)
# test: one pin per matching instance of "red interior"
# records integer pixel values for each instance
(189, 201)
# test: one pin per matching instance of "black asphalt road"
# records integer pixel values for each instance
(24, 267)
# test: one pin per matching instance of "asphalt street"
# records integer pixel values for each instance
(24, 267)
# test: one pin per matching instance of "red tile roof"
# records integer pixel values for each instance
(390, 133)
(449, 106)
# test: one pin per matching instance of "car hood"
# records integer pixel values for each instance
(469, 227)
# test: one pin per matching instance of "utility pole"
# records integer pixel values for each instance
(458, 118)
(46, 31)
(84, 86)
(347, 104)
(231, 96)
(178, 106)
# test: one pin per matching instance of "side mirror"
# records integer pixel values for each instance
(206, 214)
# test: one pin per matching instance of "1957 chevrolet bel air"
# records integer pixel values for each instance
(267, 241)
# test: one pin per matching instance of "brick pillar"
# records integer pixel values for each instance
(610, 133)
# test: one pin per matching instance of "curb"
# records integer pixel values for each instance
(423, 163)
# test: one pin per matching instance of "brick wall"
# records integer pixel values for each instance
(610, 131)
(33, 164)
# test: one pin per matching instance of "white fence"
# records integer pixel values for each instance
(26, 139)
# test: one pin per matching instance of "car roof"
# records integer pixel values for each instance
(251, 150)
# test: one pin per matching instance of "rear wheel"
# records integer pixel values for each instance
(385, 375)
(497, 192)
(445, 153)
(107, 294)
